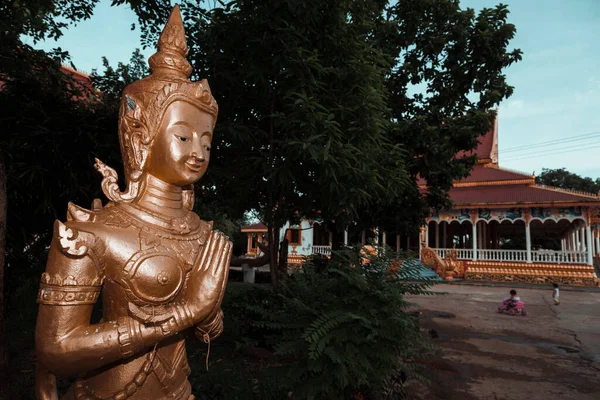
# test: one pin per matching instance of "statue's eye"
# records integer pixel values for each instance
(207, 148)
(183, 138)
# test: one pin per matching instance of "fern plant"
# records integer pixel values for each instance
(343, 323)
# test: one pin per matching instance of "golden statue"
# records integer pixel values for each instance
(161, 270)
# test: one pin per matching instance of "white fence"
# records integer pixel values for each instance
(537, 256)
(559, 257)
(463, 254)
(323, 250)
(502, 255)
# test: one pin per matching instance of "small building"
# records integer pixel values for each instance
(305, 239)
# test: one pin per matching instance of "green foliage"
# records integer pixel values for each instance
(345, 327)
(112, 82)
(42, 19)
(447, 78)
(347, 96)
(303, 105)
(564, 179)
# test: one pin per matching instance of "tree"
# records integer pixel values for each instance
(303, 110)
(328, 109)
(564, 179)
(445, 82)
(26, 74)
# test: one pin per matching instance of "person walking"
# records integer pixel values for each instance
(555, 294)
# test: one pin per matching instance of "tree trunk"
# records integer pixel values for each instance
(273, 235)
(283, 256)
(3, 341)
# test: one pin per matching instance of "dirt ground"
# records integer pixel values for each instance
(552, 353)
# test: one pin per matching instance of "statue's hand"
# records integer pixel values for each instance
(206, 285)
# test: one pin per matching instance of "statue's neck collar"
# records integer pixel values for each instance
(160, 197)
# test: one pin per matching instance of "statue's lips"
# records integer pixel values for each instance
(194, 166)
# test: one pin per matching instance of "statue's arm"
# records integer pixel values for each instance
(66, 343)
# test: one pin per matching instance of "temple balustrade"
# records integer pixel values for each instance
(542, 256)
(322, 250)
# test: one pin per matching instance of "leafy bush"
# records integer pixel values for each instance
(344, 327)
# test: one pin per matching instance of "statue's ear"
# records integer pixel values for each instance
(140, 151)
(136, 135)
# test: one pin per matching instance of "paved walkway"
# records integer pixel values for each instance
(552, 353)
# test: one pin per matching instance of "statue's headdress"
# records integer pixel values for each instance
(145, 101)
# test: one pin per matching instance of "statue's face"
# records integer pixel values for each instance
(181, 148)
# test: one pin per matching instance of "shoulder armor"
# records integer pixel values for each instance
(72, 241)
(80, 214)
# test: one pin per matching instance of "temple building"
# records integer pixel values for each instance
(502, 227)
(505, 227)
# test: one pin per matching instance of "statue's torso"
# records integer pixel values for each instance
(145, 267)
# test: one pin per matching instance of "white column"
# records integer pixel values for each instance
(479, 235)
(528, 241)
(376, 232)
(573, 240)
(384, 239)
(588, 235)
(427, 235)
(444, 235)
(397, 241)
(437, 234)
(582, 236)
(597, 241)
(345, 237)
(474, 225)
(562, 244)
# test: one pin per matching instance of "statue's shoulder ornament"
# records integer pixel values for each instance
(77, 237)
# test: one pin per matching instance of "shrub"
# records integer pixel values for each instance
(344, 326)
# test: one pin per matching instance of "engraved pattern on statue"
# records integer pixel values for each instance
(166, 372)
(58, 290)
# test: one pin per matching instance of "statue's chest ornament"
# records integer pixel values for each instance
(154, 276)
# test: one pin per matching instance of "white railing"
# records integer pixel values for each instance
(501, 255)
(537, 256)
(559, 257)
(463, 254)
(323, 250)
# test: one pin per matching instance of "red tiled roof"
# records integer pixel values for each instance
(80, 77)
(515, 194)
(484, 148)
(480, 174)
(254, 227)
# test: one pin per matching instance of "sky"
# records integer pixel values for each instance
(551, 121)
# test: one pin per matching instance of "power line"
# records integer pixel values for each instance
(557, 143)
(551, 154)
(585, 136)
(560, 150)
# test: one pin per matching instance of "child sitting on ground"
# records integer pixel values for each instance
(512, 300)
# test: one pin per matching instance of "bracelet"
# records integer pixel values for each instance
(181, 319)
(130, 338)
